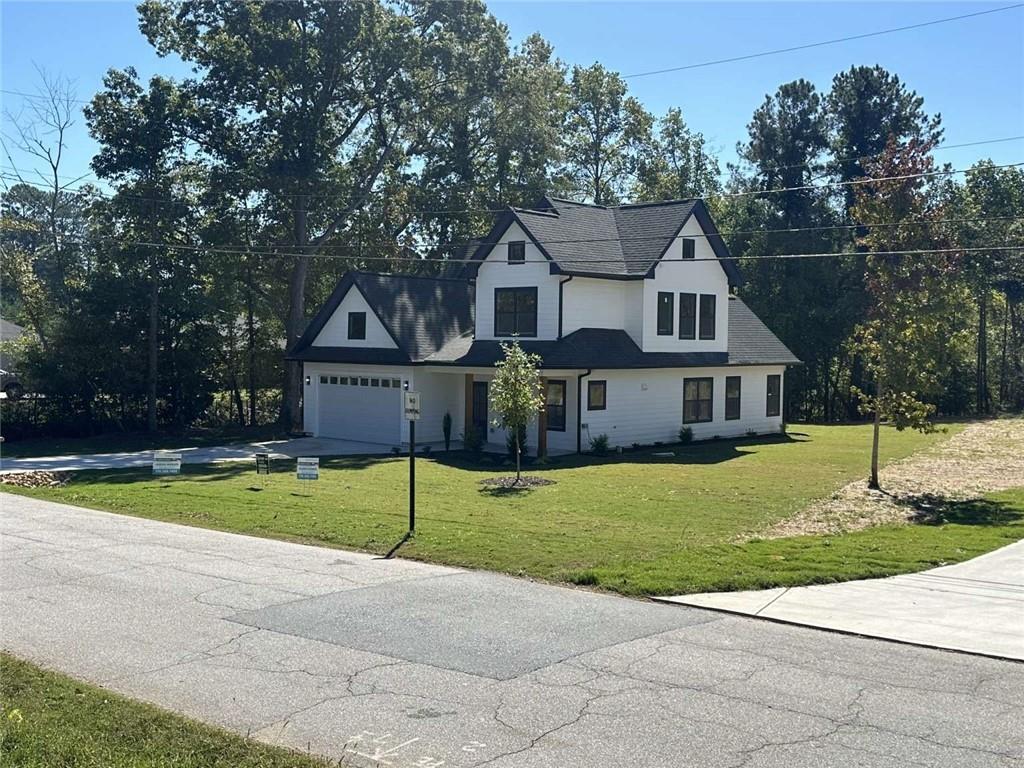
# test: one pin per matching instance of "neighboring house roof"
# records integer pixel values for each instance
(10, 331)
(750, 343)
(421, 314)
(619, 242)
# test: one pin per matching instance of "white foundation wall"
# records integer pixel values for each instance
(646, 406)
(335, 330)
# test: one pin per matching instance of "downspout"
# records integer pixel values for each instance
(579, 408)
(561, 283)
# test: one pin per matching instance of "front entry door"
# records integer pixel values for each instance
(480, 407)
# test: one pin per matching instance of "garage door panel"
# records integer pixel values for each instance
(359, 411)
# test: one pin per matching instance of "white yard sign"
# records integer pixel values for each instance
(411, 405)
(308, 468)
(166, 463)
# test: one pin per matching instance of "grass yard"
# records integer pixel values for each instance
(635, 523)
(48, 720)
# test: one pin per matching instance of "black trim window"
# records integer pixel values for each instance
(687, 315)
(774, 395)
(697, 400)
(517, 252)
(515, 311)
(555, 405)
(357, 325)
(707, 315)
(597, 395)
(689, 248)
(732, 398)
(665, 311)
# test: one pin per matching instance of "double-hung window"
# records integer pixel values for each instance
(732, 398)
(555, 405)
(687, 315)
(515, 311)
(665, 312)
(774, 395)
(697, 397)
(707, 315)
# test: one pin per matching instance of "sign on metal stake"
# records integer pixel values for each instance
(411, 405)
(166, 463)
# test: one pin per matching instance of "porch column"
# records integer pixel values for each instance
(468, 422)
(542, 422)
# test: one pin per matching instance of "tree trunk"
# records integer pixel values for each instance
(1002, 356)
(518, 459)
(291, 404)
(250, 325)
(873, 481)
(981, 374)
(154, 345)
(236, 395)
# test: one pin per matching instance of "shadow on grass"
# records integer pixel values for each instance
(929, 509)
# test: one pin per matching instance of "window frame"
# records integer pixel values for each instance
(738, 380)
(768, 410)
(692, 334)
(355, 316)
(529, 290)
(689, 248)
(602, 384)
(548, 406)
(520, 247)
(698, 380)
(700, 316)
(670, 313)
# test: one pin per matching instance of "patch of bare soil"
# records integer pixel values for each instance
(510, 483)
(35, 479)
(986, 456)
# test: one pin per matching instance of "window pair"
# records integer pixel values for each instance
(690, 320)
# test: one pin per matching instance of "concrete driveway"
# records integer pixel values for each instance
(302, 446)
(976, 606)
(397, 663)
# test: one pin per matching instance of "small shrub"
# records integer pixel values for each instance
(716, 437)
(473, 441)
(636, 446)
(751, 433)
(686, 435)
(396, 450)
(599, 445)
(446, 426)
(426, 450)
(659, 442)
(782, 428)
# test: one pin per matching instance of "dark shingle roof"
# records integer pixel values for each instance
(624, 241)
(421, 314)
(750, 343)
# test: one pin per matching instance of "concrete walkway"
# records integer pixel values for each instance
(976, 606)
(397, 663)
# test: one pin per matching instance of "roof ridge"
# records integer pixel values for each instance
(407, 277)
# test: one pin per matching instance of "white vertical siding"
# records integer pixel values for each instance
(335, 330)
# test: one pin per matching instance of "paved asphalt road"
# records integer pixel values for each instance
(397, 663)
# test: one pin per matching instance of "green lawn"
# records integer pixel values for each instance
(49, 720)
(635, 523)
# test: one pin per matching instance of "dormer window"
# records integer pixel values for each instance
(517, 252)
(689, 248)
(357, 325)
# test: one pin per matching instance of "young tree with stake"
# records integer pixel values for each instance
(516, 393)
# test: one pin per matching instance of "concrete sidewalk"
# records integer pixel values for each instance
(405, 664)
(976, 606)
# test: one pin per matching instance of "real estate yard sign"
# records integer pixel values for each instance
(166, 463)
(262, 463)
(308, 468)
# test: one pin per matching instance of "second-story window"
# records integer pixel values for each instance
(357, 325)
(665, 312)
(707, 315)
(687, 315)
(515, 311)
(689, 248)
(517, 252)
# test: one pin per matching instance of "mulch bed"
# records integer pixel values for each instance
(35, 479)
(510, 482)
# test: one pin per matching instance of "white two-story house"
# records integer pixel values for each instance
(630, 307)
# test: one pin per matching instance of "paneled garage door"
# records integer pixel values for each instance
(364, 408)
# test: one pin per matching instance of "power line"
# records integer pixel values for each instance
(821, 43)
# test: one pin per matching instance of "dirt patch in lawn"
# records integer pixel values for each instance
(511, 483)
(985, 457)
(35, 479)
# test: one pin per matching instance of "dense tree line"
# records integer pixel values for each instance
(316, 137)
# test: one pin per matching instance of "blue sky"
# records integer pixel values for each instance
(971, 71)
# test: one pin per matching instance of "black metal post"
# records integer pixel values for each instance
(412, 476)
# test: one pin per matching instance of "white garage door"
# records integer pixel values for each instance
(364, 408)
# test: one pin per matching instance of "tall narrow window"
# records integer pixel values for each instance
(555, 405)
(515, 311)
(774, 395)
(665, 312)
(597, 395)
(689, 248)
(707, 315)
(687, 315)
(357, 325)
(517, 252)
(732, 398)
(697, 396)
